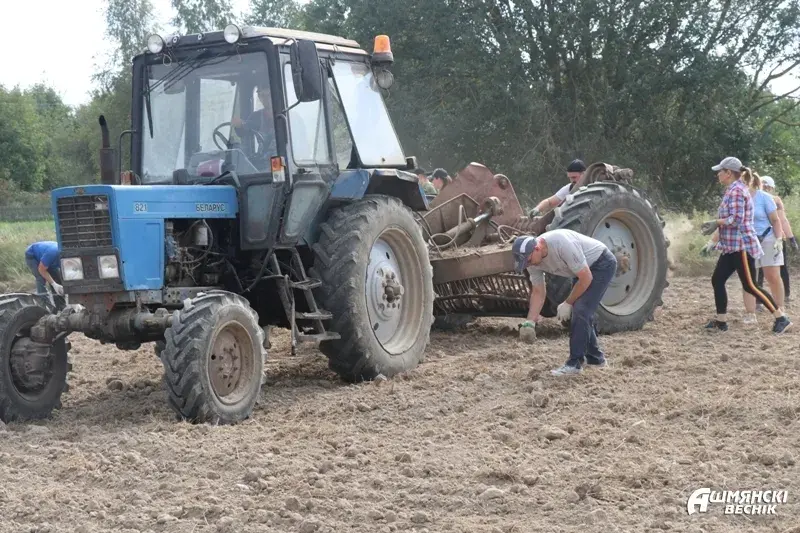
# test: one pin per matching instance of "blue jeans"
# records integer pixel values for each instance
(33, 266)
(582, 335)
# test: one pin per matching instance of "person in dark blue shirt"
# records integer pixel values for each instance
(43, 260)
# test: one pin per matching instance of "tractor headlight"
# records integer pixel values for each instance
(107, 266)
(72, 269)
(155, 43)
(232, 33)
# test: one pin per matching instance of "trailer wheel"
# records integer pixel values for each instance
(214, 359)
(623, 218)
(30, 385)
(378, 284)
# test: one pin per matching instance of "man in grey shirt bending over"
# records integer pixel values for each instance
(566, 253)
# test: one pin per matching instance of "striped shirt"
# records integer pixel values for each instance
(738, 233)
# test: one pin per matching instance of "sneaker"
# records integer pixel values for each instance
(760, 307)
(716, 324)
(601, 364)
(781, 324)
(750, 319)
(566, 371)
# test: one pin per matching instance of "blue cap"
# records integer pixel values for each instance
(523, 246)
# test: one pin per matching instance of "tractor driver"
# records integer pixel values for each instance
(574, 172)
(261, 121)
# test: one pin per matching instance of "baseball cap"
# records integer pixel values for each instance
(576, 166)
(439, 173)
(523, 246)
(768, 181)
(729, 163)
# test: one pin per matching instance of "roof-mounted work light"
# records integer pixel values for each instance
(155, 43)
(232, 33)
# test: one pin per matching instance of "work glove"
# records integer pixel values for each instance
(58, 288)
(564, 311)
(534, 213)
(708, 227)
(706, 250)
(793, 242)
(778, 247)
(527, 332)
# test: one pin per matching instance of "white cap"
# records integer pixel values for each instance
(768, 181)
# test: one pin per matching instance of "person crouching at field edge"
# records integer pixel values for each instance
(567, 253)
(738, 243)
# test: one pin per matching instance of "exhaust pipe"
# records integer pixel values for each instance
(107, 175)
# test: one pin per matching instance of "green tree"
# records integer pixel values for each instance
(23, 141)
(197, 16)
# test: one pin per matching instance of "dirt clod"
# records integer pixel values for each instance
(492, 493)
(554, 434)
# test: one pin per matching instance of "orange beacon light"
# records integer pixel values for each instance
(382, 50)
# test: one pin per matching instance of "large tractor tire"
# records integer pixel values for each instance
(213, 359)
(377, 282)
(624, 219)
(30, 385)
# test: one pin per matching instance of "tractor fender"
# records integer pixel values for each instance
(355, 184)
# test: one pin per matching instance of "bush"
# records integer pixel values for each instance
(14, 239)
(683, 232)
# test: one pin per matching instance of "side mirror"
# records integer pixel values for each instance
(306, 71)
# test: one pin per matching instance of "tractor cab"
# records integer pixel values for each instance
(274, 112)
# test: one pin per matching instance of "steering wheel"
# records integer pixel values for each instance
(216, 133)
(261, 142)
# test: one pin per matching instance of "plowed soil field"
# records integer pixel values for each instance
(479, 438)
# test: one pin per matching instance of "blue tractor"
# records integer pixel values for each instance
(266, 187)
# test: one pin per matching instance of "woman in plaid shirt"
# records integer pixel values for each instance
(738, 243)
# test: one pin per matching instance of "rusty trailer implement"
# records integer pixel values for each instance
(470, 226)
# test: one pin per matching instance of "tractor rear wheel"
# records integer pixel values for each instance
(31, 382)
(214, 359)
(377, 282)
(622, 218)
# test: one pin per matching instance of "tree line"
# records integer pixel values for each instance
(667, 88)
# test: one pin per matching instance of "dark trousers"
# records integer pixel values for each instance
(582, 335)
(743, 264)
(784, 276)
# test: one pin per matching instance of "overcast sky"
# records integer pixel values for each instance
(62, 42)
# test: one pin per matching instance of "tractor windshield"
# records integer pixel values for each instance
(373, 133)
(193, 104)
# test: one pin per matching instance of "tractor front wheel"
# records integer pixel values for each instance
(32, 378)
(214, 359)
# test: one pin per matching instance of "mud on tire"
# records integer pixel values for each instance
(361, 246)
(615, 211)
(213, 359)
(34, 395)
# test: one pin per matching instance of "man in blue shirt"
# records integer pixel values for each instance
(43, 260)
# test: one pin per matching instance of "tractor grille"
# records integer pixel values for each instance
(84, 221)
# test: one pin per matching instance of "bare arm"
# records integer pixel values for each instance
(45, 274)
(785, 225)
(584, 280)
(548, 203)
(538, 293)
(774, 218)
